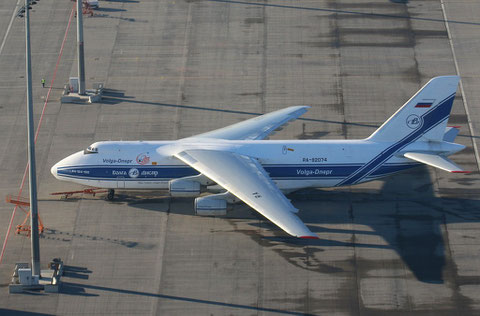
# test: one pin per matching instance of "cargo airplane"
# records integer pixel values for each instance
(238, 164)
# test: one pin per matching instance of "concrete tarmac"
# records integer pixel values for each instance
(406, 245)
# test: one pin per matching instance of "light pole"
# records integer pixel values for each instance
(81, 58)
(31, 150)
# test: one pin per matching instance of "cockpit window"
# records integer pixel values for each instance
(90, 150)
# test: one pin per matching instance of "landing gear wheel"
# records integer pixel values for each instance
(111, 194)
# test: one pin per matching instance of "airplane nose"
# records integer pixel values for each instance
(54, 170)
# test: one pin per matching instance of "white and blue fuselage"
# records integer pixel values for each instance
(292, 165)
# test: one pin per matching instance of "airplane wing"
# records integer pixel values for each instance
(258, 127)
(436, 161)
(245, 178)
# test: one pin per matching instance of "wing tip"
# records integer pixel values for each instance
(296, 108)
(308, 237)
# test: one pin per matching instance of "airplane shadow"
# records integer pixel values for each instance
(405, 213)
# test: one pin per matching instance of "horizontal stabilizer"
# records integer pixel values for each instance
(436, 161)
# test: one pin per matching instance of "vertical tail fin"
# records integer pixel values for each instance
(424, 116)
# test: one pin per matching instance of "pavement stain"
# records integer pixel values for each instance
(249, 21)
(53, 234)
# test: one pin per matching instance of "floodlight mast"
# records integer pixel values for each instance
(80, 48)
(31, 152)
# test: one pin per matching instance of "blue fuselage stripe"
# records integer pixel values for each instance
(279, 172)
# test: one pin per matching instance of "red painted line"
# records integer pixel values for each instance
(36, 133)
(309, 237)
(457, 127)
(423, 105)
(460, 171)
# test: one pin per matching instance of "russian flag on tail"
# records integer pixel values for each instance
(425, 104)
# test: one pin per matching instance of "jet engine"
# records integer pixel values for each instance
(184, 188)
(189, 186)
(211, 205)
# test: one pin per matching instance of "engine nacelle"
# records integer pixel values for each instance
(211, 205)
(184, 188)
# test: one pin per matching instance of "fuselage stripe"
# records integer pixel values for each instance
(279, 172)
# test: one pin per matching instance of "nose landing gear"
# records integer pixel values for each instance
(111, 194)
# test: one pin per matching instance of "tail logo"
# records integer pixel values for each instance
(414, 121)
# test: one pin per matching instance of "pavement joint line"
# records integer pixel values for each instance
(17, 6)
(464, 98)
(36, 135)
(183, 70)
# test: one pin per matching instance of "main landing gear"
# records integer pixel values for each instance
(111, 194)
